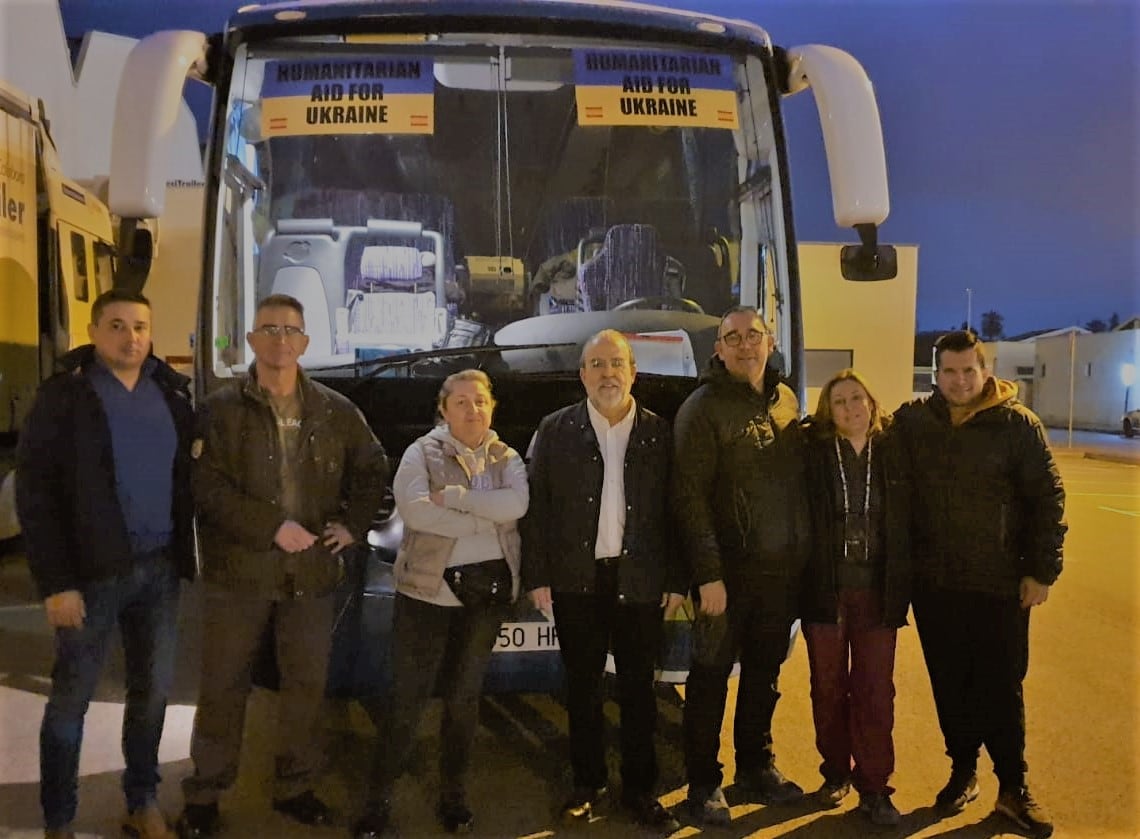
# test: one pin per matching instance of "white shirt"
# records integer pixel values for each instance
(613, 441)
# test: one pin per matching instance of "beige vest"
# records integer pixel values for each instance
(423, 557)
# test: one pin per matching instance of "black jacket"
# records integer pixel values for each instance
(237, 486)
(560, 529)
(988, 501)
(738, 480)
(888, 470)
(74, 527)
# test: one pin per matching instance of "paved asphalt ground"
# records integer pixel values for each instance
(1082, 696)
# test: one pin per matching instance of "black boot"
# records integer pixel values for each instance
(374, 821)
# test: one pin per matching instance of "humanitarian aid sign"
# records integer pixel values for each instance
(665, 89)
(375, 95)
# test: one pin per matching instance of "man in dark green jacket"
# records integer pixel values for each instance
(287, 475)
(988, 532)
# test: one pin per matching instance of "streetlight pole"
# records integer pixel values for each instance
(1127, 377)
(969, 307)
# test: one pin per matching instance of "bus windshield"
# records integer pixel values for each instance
(444, 194)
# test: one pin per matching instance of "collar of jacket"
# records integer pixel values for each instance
(314, 405)
(717, 375)
(496, 448)
(995, 392)
(80, 359)
(581, 419)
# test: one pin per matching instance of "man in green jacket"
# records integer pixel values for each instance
(286, 476)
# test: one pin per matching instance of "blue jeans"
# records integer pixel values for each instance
(144, 604)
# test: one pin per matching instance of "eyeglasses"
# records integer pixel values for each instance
(602, 363)
(752, 337)
(272, 330)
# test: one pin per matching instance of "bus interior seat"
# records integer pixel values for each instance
(395, 300)
(390, 268)
(303, 283)
(629, 264)
(434, 212)
(304, 258)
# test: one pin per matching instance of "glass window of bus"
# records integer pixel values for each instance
(79, 264)
(104, 267)
(512, 208)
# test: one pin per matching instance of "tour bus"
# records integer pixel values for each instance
(56, 256)
(453, 184)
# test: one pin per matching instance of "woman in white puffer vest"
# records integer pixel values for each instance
(460, 491)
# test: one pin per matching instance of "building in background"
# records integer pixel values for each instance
(1016, 360)
(868, 326)
(1088, 379)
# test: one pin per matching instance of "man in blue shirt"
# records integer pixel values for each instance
(103, 495)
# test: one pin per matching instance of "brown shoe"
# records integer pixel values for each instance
(147, 823)
(60, 833)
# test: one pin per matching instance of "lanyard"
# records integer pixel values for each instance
(847, 503)
(843, 480)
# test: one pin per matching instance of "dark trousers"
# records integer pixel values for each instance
(977, 653)
(756, 628)
(853, 692)
(451, 645)
(589, 625)
(144, 605)
(232, 627)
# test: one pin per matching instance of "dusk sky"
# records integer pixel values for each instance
(1012, 131)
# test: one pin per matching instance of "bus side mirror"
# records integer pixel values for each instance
(863, 264)
(136, 253)
(868, 261)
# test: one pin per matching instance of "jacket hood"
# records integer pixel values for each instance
(783, 406)
(716, 373)
(995, 392)
(443, 434)
(310, 398)
(83, 356)
(76, 359)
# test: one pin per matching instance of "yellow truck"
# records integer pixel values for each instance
(56, 256)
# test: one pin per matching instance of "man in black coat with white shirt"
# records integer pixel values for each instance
(597, 552)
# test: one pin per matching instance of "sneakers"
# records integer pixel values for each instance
(374, 821)
(198, 821)
(832, 793)
(960, 790)
(768, 786)
(879, 809)
(147, 823)
(455, 817)
(580, 805)
(710, 808)
(1019, 806)
(648, 812)
(305, 808)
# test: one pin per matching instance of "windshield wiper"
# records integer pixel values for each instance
(375, 366)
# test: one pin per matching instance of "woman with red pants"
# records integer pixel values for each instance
(856, 592)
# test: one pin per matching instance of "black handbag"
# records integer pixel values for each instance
(480, 584)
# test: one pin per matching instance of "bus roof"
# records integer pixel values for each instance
(14, 101)
(522, 16)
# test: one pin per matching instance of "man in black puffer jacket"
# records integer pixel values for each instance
(988, 536)
(739, 493)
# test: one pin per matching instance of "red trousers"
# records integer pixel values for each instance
(853, 692)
